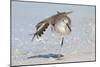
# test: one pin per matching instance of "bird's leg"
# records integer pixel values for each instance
(59, 55)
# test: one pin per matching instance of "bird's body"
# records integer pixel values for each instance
(61, 28)
(60, 23)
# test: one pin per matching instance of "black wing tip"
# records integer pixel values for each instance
(33, 36)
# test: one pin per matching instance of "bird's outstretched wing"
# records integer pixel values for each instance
(40, 28)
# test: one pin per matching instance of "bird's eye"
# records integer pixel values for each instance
(65, 21)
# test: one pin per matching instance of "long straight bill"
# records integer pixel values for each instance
(69, 27)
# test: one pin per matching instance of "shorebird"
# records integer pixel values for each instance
(60, 22)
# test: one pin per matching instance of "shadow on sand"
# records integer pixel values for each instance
(46, 56)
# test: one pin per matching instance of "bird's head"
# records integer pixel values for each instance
(65, 16)
(66, 19)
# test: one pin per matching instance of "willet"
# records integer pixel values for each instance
(60, 22)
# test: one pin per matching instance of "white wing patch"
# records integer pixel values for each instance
(41, 26)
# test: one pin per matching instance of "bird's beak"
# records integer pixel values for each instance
(68, 27)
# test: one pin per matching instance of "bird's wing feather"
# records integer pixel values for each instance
(40, 28)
